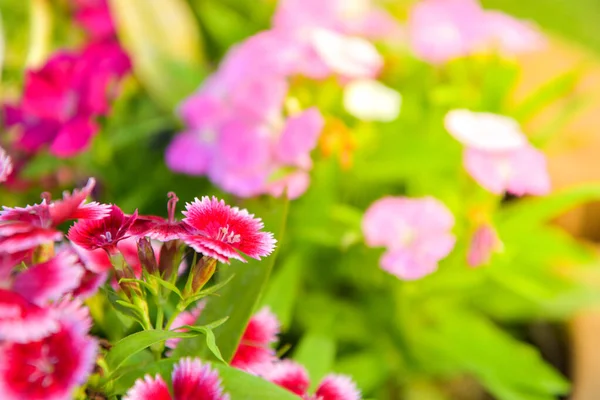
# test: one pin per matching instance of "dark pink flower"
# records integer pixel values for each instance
(191, 380)
(104, 233)
(254, 350)
(294, 377)
(23, 321)
(220, 231)
(94, 16)
(415, 232)
(159, 228)
(51, 367)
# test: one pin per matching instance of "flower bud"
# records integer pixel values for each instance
(202, 272)
(167, 259)
(146, 256)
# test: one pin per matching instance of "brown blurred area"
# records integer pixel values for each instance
(574, 158)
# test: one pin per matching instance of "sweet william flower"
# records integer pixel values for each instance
(415, 232)
(191, 380)
(294, 377)
(51, 367)
(104, 233)
(254, 351)
(219, 231)
(497, 154)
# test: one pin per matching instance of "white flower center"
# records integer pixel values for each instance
(44, 367)
(228, 237)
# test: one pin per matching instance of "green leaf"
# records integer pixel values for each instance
(282, 292)
(206, 292)
(317, 353)
(137, 342)
(532, 211)
(243, 386)
(240, 297)
(163, 41)
(511, 370)
(168, 285)
(41, 164)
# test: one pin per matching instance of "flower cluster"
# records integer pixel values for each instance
(237, 131)
(441, 30)
(497, 154)
(62, 99)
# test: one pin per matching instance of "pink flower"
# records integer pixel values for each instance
(415, 232)
(22, 316)
(191, 380)
(498, 155)
(440, 30)
(220, 231)
(104, 233)
(50, 367)
(61, 99)
(6, 166)
(483, 243)
(185, 318)
(94, 16)
(254, 350)
(293, 377)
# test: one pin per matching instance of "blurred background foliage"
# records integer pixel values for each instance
(443, 337)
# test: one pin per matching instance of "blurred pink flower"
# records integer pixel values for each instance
(498, 155)
(441, 30)
(220, 231)
(61, 100)
(254, 351)
(94, 16)
(51, 367)
(6, 166)
(415, 232)
(483, 243)
(294, 377)
(191, 380)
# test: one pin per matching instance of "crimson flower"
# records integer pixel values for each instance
(254, 350)
(220, 231)
(191, 380)
(104, 233)
(159, 228)
(51, 367)
(294, 377)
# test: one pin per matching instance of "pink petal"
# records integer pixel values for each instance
(74, 137)
(406, 264)
(194, 380)
(32, 237)
(22, 321)
(289, 375)
(483, 243)
(300, 135)
(530, 173)
(6, 166)
(189, 154)
(49, 280)
(255, 350)
(293, 184)
(337, 387)
(149, 389)
(512, 36)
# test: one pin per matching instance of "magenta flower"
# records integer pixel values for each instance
(220, 231)
(191, 380)
(50, 367)
(6, 166)
(94, 16)
(441, 30)
(415, 232)
(22, 314)
(104, 233)
(483, 243)
(254, 350)
(159, 228)
(498, 155)
(293, 377)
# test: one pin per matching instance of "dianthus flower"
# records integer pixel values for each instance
(24, 296)
(219, 231)
(415, 232)
(498, 155)
(293, 377)
(191, 380)
(254, 351)
(94, 16)
(50, 367)
(441, 30)
(104, 233)
(23, 228)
